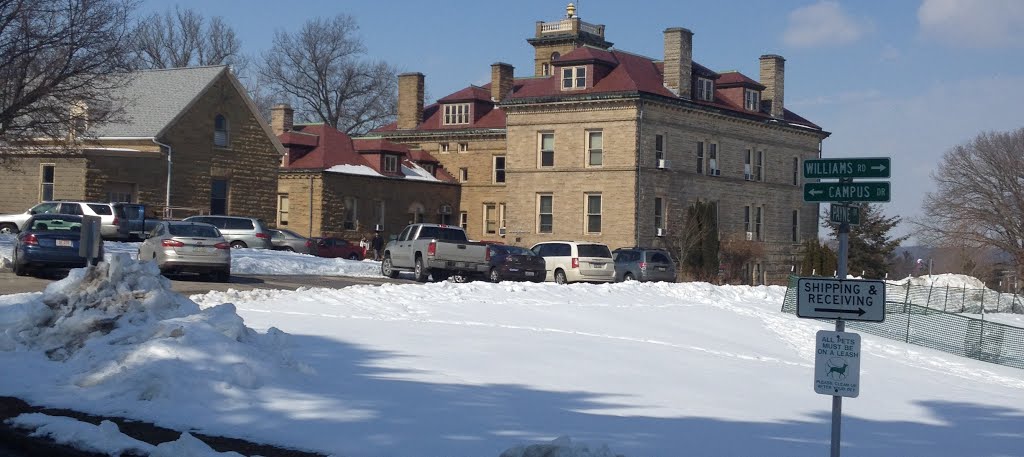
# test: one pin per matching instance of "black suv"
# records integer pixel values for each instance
(643, 264)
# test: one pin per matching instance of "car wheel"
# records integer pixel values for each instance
(288, 248)
(628, 277)
(238, 245)
(353, 256)
(560, 277)
(8, 229)
(495, 275)
(386, 269)
(19, 269)
(419, 271)
(440, 277)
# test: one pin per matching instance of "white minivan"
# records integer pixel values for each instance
(576, 261)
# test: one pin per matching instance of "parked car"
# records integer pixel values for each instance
(514, 263)
(287, 240)
(240, 232)
(434, 251)
(48, 241)
(14, 223)
(132, 223)
(643, 264)
(576, 261)
(337, 248)
(188, 247)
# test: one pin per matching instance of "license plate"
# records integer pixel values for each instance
(662, 268)
(530, 273)
(200, 249)
(597, 265)
(64, 243)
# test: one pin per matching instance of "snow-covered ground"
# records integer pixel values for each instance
(249, 261)
(477, 369)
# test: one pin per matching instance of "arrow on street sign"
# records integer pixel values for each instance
(858, 311)
(872, 167)
(864, 191)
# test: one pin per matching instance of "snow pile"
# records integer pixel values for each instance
(107, 438)
(953, 281)
(267, 262)
(560, 447)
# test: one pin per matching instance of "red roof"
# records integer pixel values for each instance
(370, 145)
(468, 94)
(419, 155)
(586, 54)
(735, 78)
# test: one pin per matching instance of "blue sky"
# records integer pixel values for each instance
(906, 79)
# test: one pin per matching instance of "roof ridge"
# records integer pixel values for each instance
(634, 54)
(152, 70)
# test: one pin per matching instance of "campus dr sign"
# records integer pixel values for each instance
(872, 167)
(866, 191)
(850, 299)
(837, 363)
(844, 214)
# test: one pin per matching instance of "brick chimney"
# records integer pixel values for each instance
(410, 100)
(501, 80)
(679, 61)
(281, 118)
(773, 73)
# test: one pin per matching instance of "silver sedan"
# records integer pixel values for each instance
(188, 247)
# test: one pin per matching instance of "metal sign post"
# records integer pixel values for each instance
(837, 400)
(89, 240)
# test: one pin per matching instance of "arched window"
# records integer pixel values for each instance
(555, 56)
(220, 131)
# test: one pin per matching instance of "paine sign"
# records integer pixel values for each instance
(850, 299)
(837, 363)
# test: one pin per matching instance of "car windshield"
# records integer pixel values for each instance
(193, 230)
(442, 233)
(594, 250)
(56, 225)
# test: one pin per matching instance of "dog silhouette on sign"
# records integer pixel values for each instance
(839, 371)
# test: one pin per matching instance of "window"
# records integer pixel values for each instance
(220, 131)
(428, 167)
(747, 172)
(795, 235)
(752, 100)
(545, 69)
(547, 149)
(443, 147)
(659, 148)
(713, 169)
(219, 196)
(700, 157)
(46, 181)
(574, 78)
(464, 220)
(759, 167)
(282, 210)
(796, 171)
(463, 174)
(456, 114)
(351, 223)
(499, 169)
(490, 218)
(593, 213)
(595, 149)
(705, 89)
(501, 215)
(746, 223)
(545, 214)
(463, 147)
(378, 214)
(659, 213)
(758, 221)
(416, 211)
(390, 163)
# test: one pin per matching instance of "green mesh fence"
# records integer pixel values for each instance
(930, 317)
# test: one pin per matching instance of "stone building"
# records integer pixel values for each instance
(604, 145)
(332, 185)
(190, 141)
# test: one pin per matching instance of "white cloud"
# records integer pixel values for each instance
(823, 24)
(973, 24)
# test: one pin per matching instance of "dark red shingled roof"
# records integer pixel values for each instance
(586, 54)
(469, 94)
(735, 78)
(366, 145)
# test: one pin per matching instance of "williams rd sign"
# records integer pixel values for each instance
(868, 191)
(850, 299)
(874, 167)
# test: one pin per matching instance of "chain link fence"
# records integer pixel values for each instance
(930, 317)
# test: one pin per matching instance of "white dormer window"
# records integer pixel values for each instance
(390, 163)
(705, 89)
(456, 114)
(574, 78)
(752, 100)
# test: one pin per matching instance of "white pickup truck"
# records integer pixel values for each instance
(434, 251)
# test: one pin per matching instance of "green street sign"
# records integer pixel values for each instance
(867, 191)
(874, 167)
(844, 214)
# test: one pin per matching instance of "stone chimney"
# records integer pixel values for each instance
(410, 100)
(501, 80)
(773, 73)
(679, 61)
(281, 118)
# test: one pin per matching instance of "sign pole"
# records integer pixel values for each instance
(837, 401)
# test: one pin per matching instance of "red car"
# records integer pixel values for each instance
(336, 248)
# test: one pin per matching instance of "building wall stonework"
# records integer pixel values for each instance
(22, 179)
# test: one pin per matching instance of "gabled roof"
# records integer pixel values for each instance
(586, 54)
(471, 93)
(737, 79)
(154, 98)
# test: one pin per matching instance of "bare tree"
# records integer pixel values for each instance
(60, 59)
(322, 72)
(979, 196)
(183, 38)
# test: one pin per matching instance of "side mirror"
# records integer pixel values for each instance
(32, 212)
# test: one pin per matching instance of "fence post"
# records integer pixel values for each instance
(906, 306)
(982, 304)
(963, 300)
(945, 300)
(928, 301)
